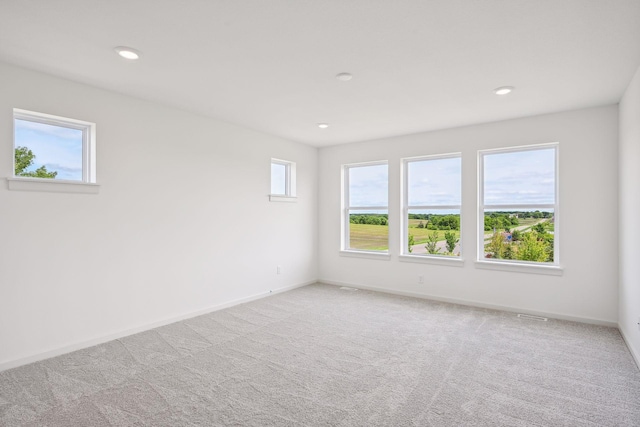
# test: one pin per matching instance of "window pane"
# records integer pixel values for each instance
(434, 182)
(368, 186)
(278, 179)
(523, 235)
(369, 230)
(433, 232)
(520, 177)
(48, 151)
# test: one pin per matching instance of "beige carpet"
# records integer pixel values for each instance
(322, 356)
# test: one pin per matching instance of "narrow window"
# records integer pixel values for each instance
(53, 148)
(431, 206)
(283, 178)
(366, 211)
(518, 204)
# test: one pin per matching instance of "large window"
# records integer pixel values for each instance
(365, 209)
(431, 206)
(53, 148)
(518, 204)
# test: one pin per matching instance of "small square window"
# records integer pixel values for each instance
(53, 148)
(283, 179)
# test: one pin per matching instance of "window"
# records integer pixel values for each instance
(283, 180)
(518, 205)
(365, 207)
(52, 148)
(431, 206)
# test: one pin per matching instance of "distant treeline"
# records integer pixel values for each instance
(493, 220)
(437, 222)
(521, 214)
(507, 220)
(371, 219)
(428, 221)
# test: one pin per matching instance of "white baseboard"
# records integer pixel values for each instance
(474, 303)
(110, 337)
(633, 351)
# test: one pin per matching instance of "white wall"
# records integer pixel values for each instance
(182, 222)
(588, 196)
(629, 181)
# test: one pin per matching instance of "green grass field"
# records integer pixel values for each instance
(369, 237)
(420, 234)
(376, 237)
(413, 223)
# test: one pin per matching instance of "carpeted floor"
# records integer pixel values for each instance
(322, 356)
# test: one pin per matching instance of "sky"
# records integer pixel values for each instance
(278, 178)
(57, 148)
(435, 182)
(368, 186)
(520, 177)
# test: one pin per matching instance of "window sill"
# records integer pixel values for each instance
(52, 186)
(385, 256)
(552, 270)
(438, 260)
(280, 198)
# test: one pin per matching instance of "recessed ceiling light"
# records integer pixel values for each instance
(503, 90)
(127, 52)
(345, 77)
(323, 125)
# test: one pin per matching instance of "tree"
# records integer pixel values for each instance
(540, 227)
(432, 243)
(24, 159)
(412, 241)
(451, 241)
(510, 251)
(497, 246)
(548, 240)
(532, 248)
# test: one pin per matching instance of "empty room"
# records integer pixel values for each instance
(319, 213)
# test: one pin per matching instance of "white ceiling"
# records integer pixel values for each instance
(270, 65)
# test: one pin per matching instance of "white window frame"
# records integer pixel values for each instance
(290, 181)
(518, 265)
(346, 212)
(58, 185)
(404, 236)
